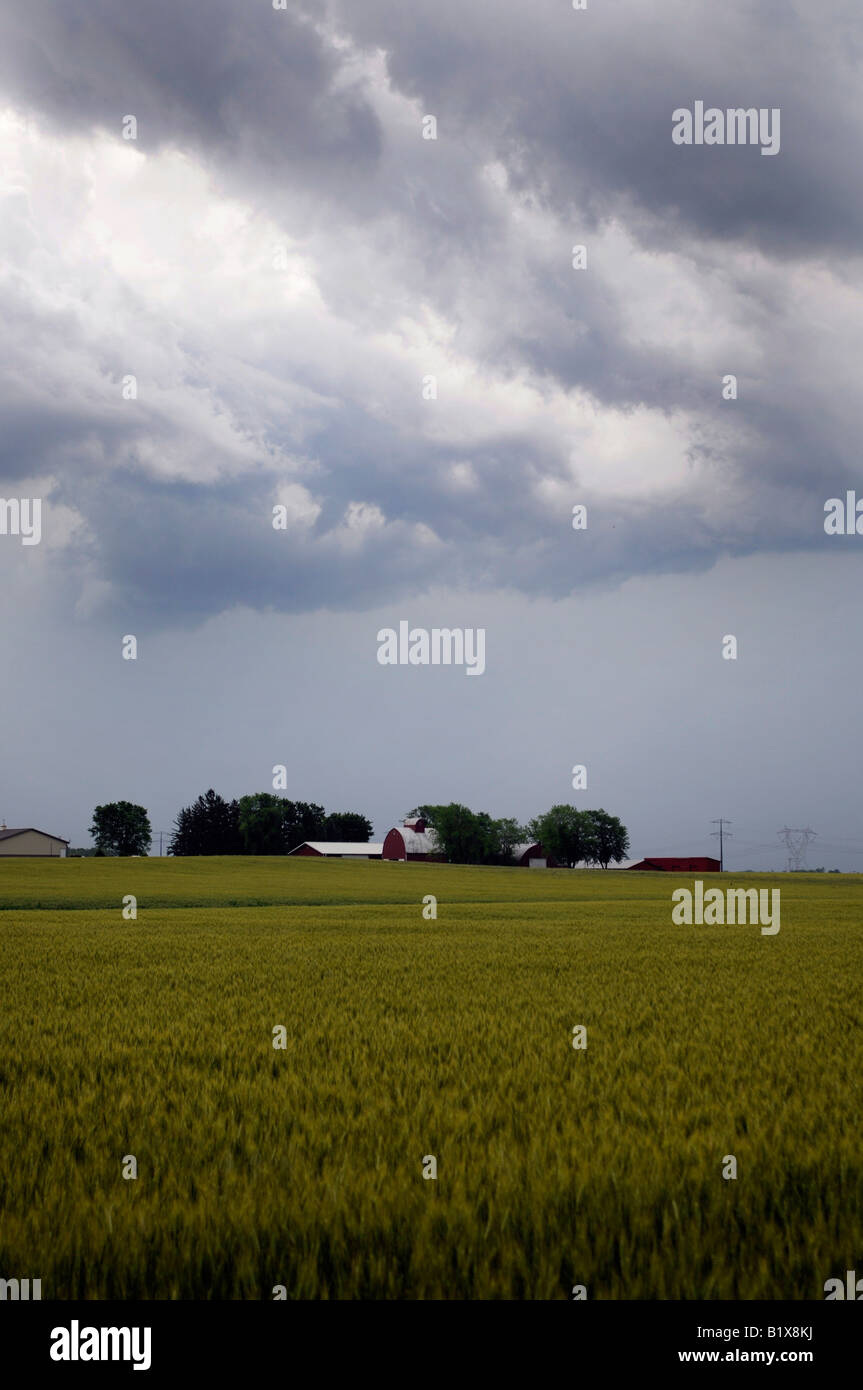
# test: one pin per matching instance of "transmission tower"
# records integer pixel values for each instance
(796, 842)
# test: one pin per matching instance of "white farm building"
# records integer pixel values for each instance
(336, 849)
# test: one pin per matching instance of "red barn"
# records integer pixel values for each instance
(410, 841)
(698, 864)
(522, 855)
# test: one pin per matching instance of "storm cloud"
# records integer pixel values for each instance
(282, 261)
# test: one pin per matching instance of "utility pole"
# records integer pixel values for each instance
(721, 822)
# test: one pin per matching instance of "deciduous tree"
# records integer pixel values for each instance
(120, 827)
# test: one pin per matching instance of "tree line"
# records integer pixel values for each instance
(258, 824)
(267, 824)
(567, 835)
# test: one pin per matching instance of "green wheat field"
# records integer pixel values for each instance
(302, 1167)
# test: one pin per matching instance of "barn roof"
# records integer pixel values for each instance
(357, 847)
(416, 842)
(22, 830)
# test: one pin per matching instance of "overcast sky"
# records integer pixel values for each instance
(281, 261)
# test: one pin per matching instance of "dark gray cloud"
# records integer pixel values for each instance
(242, 81)
(579, 105)
(449, 257)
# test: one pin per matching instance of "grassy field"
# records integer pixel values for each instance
(303, 1166)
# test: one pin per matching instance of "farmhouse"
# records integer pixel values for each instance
(336, 849)
(27, 843)
(698, 864)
